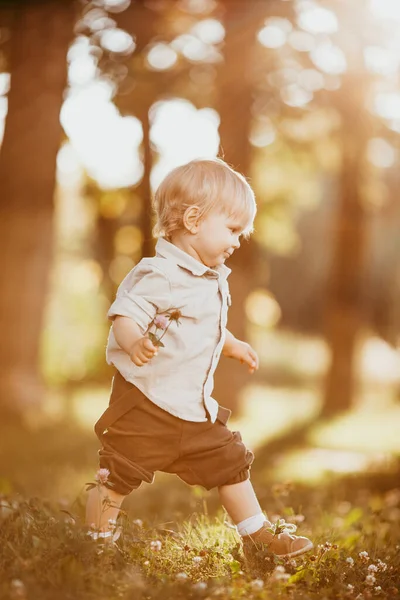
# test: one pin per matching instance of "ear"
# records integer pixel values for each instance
(191, 218)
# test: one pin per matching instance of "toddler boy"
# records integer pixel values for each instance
(168, 333)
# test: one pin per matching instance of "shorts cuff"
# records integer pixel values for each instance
(238, 478)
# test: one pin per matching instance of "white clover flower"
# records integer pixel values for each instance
(197, 560)
(373, 568)
(257, 584)
(377, 589)
(370, 580)
(181, 576)
(364, 555)
(146, 563)
(156, 546)
(138, 522)
(350, 561)
(350, 587)
(280, 569)
(382, 566)
(200, 586)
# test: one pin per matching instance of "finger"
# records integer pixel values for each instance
(145, 359)
(148, 345)
(254, 359)
(136, 360)
(149, 353)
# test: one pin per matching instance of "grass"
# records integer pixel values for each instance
(46, 554)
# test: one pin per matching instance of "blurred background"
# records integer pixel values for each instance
(98, 101)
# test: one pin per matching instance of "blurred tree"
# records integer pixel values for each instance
(40, 36)
(235, 106)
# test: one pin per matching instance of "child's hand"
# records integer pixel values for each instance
(245, 353)
(142, 351)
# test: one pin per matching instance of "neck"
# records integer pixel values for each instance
(182, 240)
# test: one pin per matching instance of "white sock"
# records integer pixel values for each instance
(102, 534)
(251, 525)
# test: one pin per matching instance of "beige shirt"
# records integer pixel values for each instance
(180, 378)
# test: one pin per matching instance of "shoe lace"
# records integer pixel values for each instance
(282, 527)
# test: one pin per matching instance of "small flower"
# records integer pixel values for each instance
(181, 576)
(161, 321)
(382, 566)
(279, 574)
(364, 556)
(138, 522)
(280, 569)
(370, 580)
(156, 546)
(257, 584)
(146, 563)
(350, 587)
(373, 568)
(197, 560)
(175, 315)
(18, 589)
(350, 561)
(377, 589)
(200, 586)
(102, 476)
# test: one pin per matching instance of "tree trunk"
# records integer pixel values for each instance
(235, 108)
(142, 22)
(343, 313)
(41, 34)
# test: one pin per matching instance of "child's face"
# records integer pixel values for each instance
(217, 238)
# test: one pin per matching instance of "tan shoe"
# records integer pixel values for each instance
(276, 539)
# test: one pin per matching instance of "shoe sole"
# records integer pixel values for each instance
(307, 548)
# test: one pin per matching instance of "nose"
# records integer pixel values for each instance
(236, 243)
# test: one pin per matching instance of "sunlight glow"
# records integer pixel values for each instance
(381, 60)
(301, 41)
(3, 114)
(318, 464)
(5, 80)
(262, 308)
(107, 144)
(116, 6)
(316, 19)
(209, 31)
(329, 58)
(275, 32)
(262, 133)
(161, 56)
(181, 133)
(82, 70)
(128, 240)
(386, 9)
(117, 41)
(380, 153)
(194, 49)
(295, 95)
(379, 361)
(311, 80)
(387, 105)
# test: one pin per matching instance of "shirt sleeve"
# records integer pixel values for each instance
(143, 293)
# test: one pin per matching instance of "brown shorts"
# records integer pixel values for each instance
(141, 438)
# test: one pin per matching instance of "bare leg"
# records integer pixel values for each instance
(239, 500)
(98, 512)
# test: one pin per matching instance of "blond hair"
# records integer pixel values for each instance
(208, 184)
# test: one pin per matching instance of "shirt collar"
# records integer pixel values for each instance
(184, 260)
